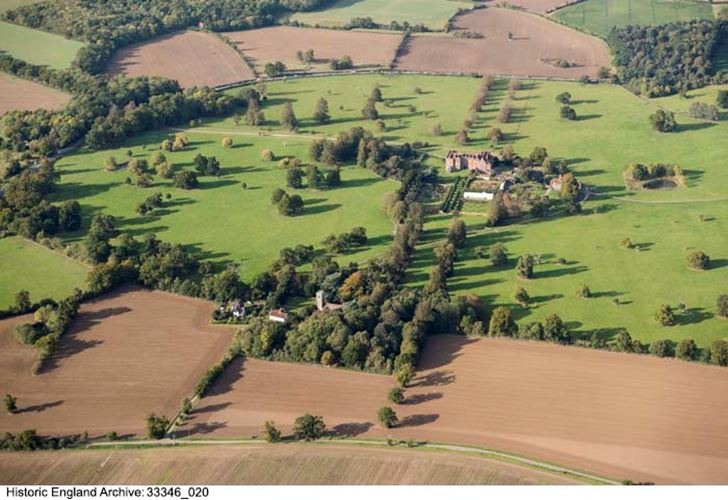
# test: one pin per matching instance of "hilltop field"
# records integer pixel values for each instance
(37, 47)
(432, 13)
(600, 16)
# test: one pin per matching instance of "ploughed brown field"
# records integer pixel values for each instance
(281, 43)
(16, 93)
(126, 355)
(253, 391)
(536, 46)
(193, 58)
(261, 464)
(540, 6)
(620, 415)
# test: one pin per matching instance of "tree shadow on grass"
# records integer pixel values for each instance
(320, 209)
(692, 316)
(689, 127)
(563, 271)
(717, 263)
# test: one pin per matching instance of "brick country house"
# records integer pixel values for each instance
(482, 162)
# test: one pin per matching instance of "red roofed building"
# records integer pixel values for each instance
(482, 162)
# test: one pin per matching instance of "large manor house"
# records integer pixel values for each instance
(482, 162)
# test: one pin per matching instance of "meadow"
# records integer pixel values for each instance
(220, 219)
(37, 47)
(612, 131)
(431, 13)
(40, 271)
(6, 5)
(600, 16)
(232, 225)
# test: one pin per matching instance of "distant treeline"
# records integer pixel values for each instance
(670, 58)
(109, 25)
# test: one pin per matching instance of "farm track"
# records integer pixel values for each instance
(456, 449)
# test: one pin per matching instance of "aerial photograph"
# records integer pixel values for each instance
(323, 243)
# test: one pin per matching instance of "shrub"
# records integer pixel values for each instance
(568, 113)
(524, 267)
(719, 352)
(387, 417)
(227, 142)
(462, 138)
(722, 305)
(662, 348)
(687, 350)
(584, 292)
(404, 374)
(665, 316)
(564, 98)
(308, 427)
(271, 433)
(501, 323)
(520, 295)
(698, 260)
(663, 121)
(499, 255)
(267, 155)
(186, 180)
(703, 111)
(396, 395)
(11, 403)
(156, 426)
(722, 99)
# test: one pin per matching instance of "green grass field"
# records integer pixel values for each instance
(600, 16)
(27, 265)
(431, 13)
(6, 5)
(37, 47)
(228, 224)
(222, 221)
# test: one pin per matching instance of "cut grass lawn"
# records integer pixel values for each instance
(228, 224)
(224, 222)
(25, 265)
(432, 13)
(408, 115)
(600, 16)
(612, 131)
(37, 47)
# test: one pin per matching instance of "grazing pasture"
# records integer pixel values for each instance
(432, 13)
(600, 16)
(37, 47)
(540, 6)
(40, 271)
(6, 5)
(252, 391)
(513, 43)
(16, 93)
(629, 285)
(317, 464)
(621, 415)
(193, 58)
(220, 219)
(127, 354)
(282, 43)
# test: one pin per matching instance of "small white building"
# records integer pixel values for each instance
(477, 196)
(278, 315)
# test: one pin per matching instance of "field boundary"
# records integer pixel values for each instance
(490, 453)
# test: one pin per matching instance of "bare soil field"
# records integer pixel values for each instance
(261, 464)
(192, 58)
(127, 355)
(16, 93)
(621, 415)
(253, 391)
(535, 48)
(540, 6)
(281, 43)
